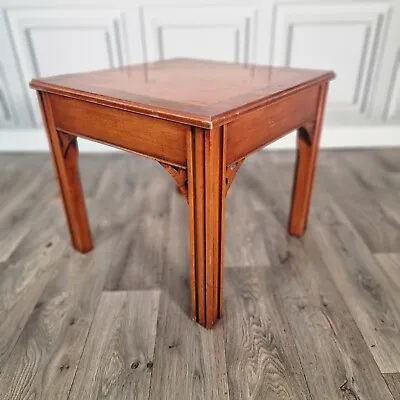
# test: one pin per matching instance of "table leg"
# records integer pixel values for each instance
(206, 193)
(308, 138)
(64, 149)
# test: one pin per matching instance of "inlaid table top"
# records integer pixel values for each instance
(199, 120)
(192, 91)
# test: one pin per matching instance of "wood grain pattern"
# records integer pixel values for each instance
(390, 263)
(25, 203)
(369, 287)
(31, 363)
(14, 186)
(187, 357)
(132, 268)
(267, 124)
(118, 358)
(388, 159)
(335, 359)
(45, 357)
(206, 183)
(377, 175)
(244, 239)
(153, 137)
(389, 205)
(262, 358)
(370, 294)
(359, 202)
(19, 297)
(369, 290)
(393, 382)
(195, 92)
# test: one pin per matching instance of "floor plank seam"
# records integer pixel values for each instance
(280, 300)
(347, 308)
(226, 364)
(154, 348)
(83, 348)
(22, 329)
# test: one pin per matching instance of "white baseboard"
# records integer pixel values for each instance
(334, 137)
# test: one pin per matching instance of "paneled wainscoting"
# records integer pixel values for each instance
(358, 39)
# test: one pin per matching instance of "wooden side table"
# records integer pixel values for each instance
(199, 120)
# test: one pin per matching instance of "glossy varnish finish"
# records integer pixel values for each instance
(200, 93)
(199, 120)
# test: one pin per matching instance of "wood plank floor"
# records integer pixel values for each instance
(311, 318)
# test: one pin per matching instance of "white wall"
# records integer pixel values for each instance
(359, 40)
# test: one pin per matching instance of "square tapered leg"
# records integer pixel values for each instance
(206, 194)
(308, 138)
(64, 149)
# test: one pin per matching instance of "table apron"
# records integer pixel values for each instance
(267, 124)
(152, 137)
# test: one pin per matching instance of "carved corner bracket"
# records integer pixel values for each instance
(180, 177)
(306, 132)
(231, 171)
(66, 143)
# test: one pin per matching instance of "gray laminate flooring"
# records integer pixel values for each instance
(312, 318)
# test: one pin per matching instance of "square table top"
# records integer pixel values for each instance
(197, 92)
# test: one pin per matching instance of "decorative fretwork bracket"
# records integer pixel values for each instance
(180, 176)
(231, 171)
(306, 132)
(66, 142)
(181, 179)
